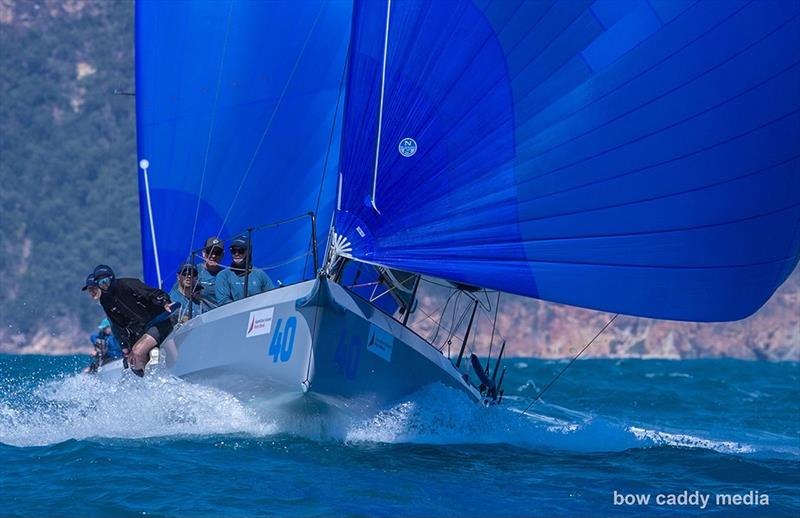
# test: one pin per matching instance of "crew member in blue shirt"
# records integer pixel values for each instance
(106, 347)
(208, 271)
(230, 282)
(106, 342)
(186, 287)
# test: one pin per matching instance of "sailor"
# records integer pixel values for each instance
(230, 282)
(212, 255)
(138, 313)
(105, 343)
(90, 287)
(186, 287)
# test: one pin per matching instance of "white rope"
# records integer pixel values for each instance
(380, 109)
(145, 165)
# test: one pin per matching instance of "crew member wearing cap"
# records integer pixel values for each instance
(90, 287)
(106, 346)
(212, 255)
(105, 343)
(230, 282)
(186, 287)
(138, 313)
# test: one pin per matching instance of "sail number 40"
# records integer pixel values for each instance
(283, 340)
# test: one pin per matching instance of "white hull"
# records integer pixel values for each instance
(312, 344)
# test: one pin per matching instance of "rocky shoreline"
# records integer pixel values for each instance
(538, 329)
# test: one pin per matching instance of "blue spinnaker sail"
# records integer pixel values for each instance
(635, 156)
(236, 103)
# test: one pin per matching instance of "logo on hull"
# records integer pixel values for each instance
(260, 322)
(380, 342)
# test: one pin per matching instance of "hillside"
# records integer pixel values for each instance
(67, 161)
(69, 198)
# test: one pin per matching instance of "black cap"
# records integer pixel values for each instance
(101, 271)
(187, 267)
(213, 242)
(90, 282)
(240, 242)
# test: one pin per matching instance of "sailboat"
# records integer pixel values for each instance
(639, 157)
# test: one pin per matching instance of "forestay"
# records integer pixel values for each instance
(632, 156)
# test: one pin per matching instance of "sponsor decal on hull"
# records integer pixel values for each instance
(260, 322)
(380, 342)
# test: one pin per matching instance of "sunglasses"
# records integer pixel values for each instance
(104, 280)
(238, 251)
(214, 252)
(188, 273)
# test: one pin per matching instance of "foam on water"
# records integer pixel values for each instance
(439, 415)
(82, 406)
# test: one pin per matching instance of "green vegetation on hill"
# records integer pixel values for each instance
(67, 158)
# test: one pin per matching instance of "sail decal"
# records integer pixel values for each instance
(637, 157)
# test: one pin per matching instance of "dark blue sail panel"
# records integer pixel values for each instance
(638, 156)
(236, 103)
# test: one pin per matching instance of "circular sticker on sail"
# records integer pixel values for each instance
(407, 147)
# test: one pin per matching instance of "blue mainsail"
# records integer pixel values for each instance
(635, 156)
(236, 103)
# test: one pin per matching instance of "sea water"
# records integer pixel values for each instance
(611, 437)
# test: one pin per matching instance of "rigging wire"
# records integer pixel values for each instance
(488, 306)
(211, 129)
(330, 143)
(284, 263)
(541, 392)
(449, 340)
(272, 118)
(434, 335)
(494, 327)
(428, 316)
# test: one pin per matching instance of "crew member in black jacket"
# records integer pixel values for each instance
(139, 314)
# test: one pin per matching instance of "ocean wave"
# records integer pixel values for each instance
(85, 407)
(439, 415)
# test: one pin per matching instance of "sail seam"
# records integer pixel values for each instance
(615, 90)
(662, 129)
(650, 199)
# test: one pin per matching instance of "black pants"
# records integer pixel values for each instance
(160, 331)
